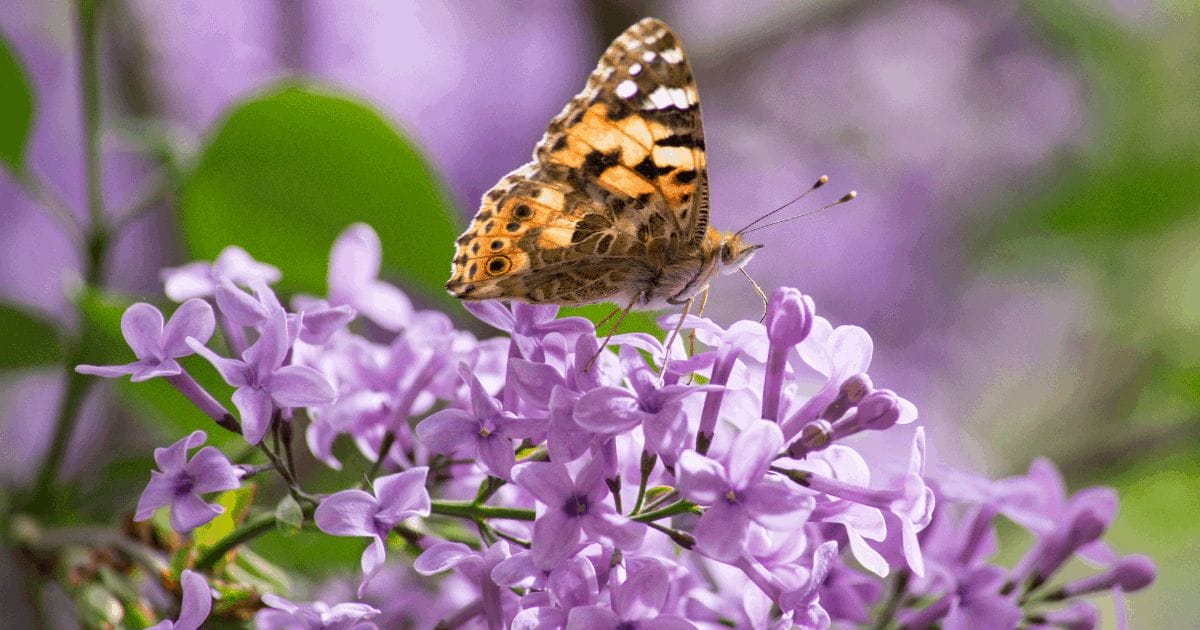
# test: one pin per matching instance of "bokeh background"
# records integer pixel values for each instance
(1024, 250)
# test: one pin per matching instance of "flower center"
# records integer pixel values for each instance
(576, 505)
(731, 496)
(183, 485)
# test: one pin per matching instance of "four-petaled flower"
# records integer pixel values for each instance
(157, 345)
(179, 483)
(358, 513)
(572, 506)
(737, 490)
(486, 430)
(637, 602)
(262, 381)
(200, 279)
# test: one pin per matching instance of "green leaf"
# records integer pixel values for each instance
(237, 505)
(288, 515)
(29, 340)
(288, 171)
(16, 109)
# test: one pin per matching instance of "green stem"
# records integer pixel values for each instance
(463, 509)
(648, 462)
(678, 507)
(254, 527)
(887, 611)
(93, 258)
(385, 447)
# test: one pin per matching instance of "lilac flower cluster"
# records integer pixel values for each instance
(648, 487)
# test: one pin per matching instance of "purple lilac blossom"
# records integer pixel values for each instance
(358, 513)
(157, 345)
(179, 482)
(195, 606)
(741, 527)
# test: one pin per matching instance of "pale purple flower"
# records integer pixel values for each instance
(262, 381)
(195, 605)
(201, 279)
(157, 346)
(282, 614)
(528, 323)
(572, 507)
(789, 320)
(570, 584)
(179, 483)
(485, 431)
(1131, 573)
(658, 409)
(476, 567)
(738, 489)
(358, 513)
(354, 265)
(639, 601)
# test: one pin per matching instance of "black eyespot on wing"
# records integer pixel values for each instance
(472, 269)
(498, 265)
(497, 245)
(513, 226)
(522, 211)
(475, 247)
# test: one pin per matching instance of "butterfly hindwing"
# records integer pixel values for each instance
(618, 180)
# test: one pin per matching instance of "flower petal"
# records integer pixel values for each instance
(555, 536)
(441, 557)
(721, 532)
(496, 453)
(347, 513)
(211, 471)
(233, 371)
(492, 313)
(193, 280)
(701, 479)
(300, 386)
(385, 305)
(644, 592)
(605, 522)
(109, 371)
(240, 307)
(776, 503)
(172, 458)
(272, 345)
(402, 495)
(448, 430)
(190, 511)
(197, 601)
(371, 561)
(158, 492)
(592, 618)
(609, 410)
(752, 452)
(254, 406)
(142, 326)
(548, 482)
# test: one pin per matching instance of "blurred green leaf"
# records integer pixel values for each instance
(289, 170)
(29, 340)
(635, 321)
(16, 108)
(323, 555)
(237, 504)
(288, 515)
(103, 343)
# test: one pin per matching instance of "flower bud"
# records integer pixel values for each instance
(851, 392)
(1135, 572)
(789, 317)
(879, 410)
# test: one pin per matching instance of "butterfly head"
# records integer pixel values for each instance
(734, 252)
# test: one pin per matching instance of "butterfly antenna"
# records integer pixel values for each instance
(821, 181)
(845, 198)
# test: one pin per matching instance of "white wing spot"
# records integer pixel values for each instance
(680, 98)
(672, 55)
(660, 98)
(626, 88)
(635, 69)
(648, 56)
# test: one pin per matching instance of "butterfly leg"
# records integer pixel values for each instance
(692, 332)
(687, 308)
(611, 331)
(600, 324)
(762, 296)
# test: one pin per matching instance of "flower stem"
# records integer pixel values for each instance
(252, 528)
(678, 507)
(463, 509)
(648, 462)
(385, 447)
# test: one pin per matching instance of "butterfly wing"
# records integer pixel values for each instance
(617, 187)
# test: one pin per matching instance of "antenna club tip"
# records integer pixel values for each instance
(821, 181)
(850, 195)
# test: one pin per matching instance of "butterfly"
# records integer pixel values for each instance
(614, 206)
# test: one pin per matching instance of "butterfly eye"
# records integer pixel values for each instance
(498, 265)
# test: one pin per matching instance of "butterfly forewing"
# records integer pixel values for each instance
(617, 187)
